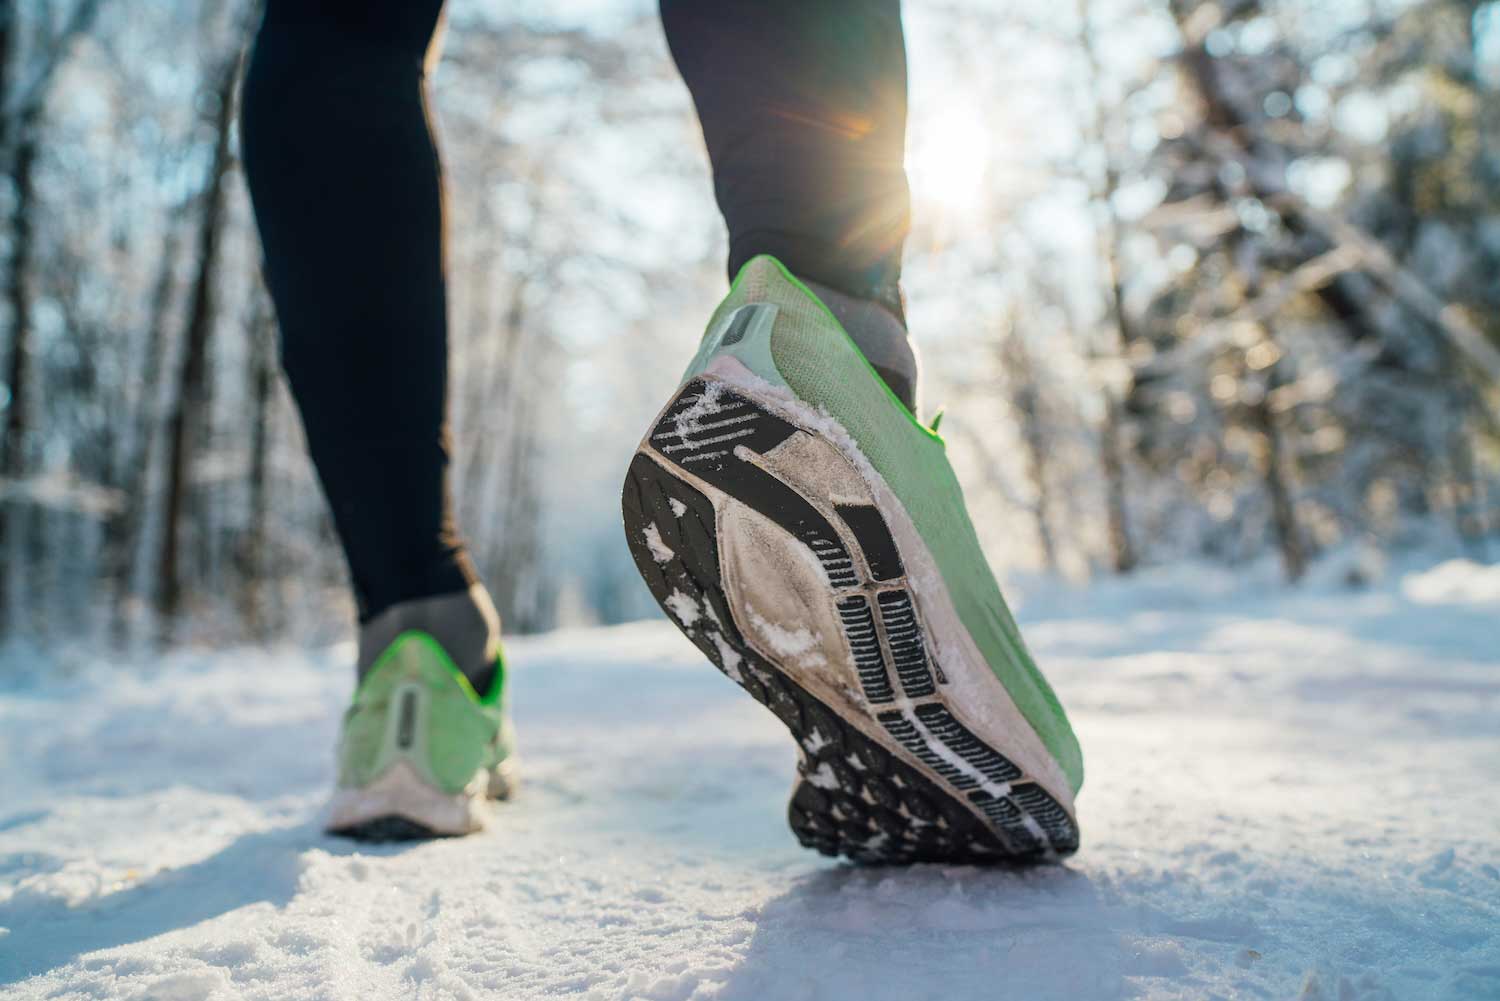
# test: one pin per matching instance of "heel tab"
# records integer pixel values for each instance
(764, 278)
(761, 294)
(760, 270)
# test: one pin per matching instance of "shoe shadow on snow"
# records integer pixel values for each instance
(265, 867)
(928, 931)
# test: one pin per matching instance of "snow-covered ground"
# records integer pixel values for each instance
(1290, 795)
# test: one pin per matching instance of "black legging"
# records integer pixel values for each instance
(803, 106)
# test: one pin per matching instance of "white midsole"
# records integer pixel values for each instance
(401, 791)
(970, 689)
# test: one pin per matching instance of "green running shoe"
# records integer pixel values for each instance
(420, 751)
(808, 534)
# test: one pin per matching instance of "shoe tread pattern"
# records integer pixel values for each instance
(854, 798)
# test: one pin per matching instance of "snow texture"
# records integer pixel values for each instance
(1290, 795)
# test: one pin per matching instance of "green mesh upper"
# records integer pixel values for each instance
(453, 732)
(811, 354)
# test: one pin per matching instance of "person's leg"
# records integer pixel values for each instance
(803, 106)
(347, 189)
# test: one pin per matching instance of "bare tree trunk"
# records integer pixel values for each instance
(1111, 453)
(7, 66)
(1233, 127)
(123, 532)
(18, 290)
(503, 364)
(1111, 448)
(251, 554)
(189, 399)
(1121, 548)
(516, 585)
(1026, 400)
(1036, 455)
(13, 438)
(25, 132)
(1289, 537)
(516, 550)
(1467, 490)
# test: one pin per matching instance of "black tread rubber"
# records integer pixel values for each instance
(854, 797)
(874, 539)
(387, 829)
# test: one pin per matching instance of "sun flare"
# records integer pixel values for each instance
(949, 161)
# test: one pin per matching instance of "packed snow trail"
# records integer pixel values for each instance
(1290, 795)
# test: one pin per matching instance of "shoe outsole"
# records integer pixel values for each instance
(389, 829)
(932, 791)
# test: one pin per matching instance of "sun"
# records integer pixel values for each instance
(949, 161)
